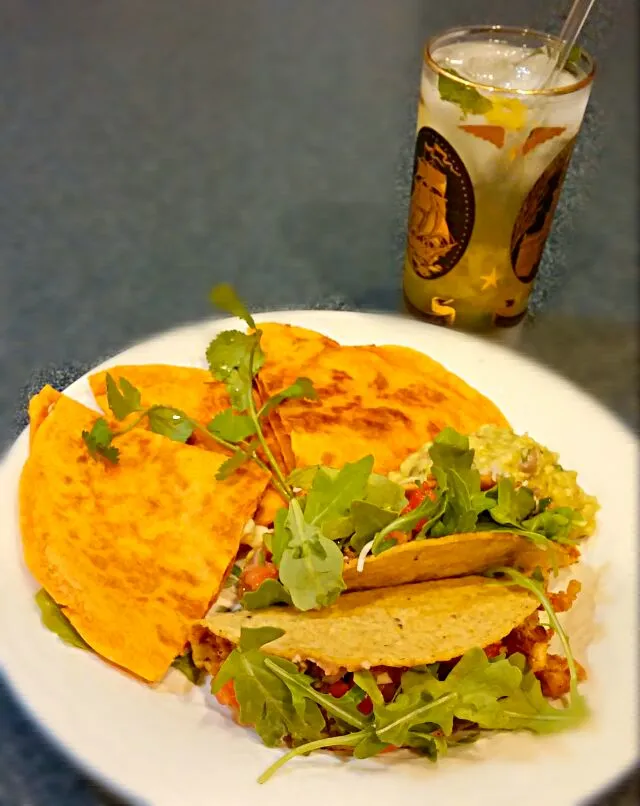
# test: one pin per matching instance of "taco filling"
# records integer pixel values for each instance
(278, 672)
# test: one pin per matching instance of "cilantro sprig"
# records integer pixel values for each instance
(234, 358)
(486, 693)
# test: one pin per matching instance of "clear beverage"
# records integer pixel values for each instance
(491, 154)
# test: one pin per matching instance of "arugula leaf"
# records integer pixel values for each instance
(224, 296)
(303, 477)
(184, 663)
(269, 593)
(123, 397)
(555, 524)
(368, 519)
(98, 441)
(330, 497)
(428, 510)
(386, 494)
(369, 746)
(513, 505)
(281, 535)
(170, 422)
(231, 426)
(367, 682)
(55, 620)
(310, 565)
(264, 700)
(470, 101)
(300, 685)
(300, 388)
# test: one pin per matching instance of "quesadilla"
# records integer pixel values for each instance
(191, 390)
(422, 666)
(133, 553)
(393, 398)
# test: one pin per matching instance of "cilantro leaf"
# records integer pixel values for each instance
(310, 565)
(331, 496)
(123, 397)
(235, 358)
(170, 423)
(300, 388)
(263, 698)
(55, 620)
(98, 441)
(231, 426)
(225, 297)
(184, 663)
(269, 593)
(230, 465)
(470, 101)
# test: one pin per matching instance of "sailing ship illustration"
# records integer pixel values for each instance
(429, 236)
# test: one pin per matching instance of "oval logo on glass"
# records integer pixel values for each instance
(442, 208)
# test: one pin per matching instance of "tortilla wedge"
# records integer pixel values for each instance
(40, 407)
(133, 553)
(287, 349)
(451, 556)
(402, 626)
(393, 398)
(195, 392)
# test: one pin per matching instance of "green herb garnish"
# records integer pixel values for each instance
(55, 620)
(184, 664)
(470, 101)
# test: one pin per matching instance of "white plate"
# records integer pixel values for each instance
(160, 748)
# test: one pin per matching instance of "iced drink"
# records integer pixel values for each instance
(491, 154)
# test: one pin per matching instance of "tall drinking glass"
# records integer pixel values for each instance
(492, 150)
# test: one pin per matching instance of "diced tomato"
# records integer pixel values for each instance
(417, 496)
(493, 650)
(366, 706)
(389, 749)
(254, 575)
(339, 688)
(227, 696)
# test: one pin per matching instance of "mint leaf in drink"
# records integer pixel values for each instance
(184, 664)
(54, 619)
(98, 441)
(170, 423)
(300, 388)
(269, 593)
(310, 565)
(225, 297)
(231, 426)
(123, 397)
(574, 57)
(331, 495)
(470, 101)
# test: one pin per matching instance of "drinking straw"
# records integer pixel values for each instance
(570, 32)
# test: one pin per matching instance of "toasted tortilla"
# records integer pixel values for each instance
(406, 625)
(451, 556)
(133, 553)
(194, 391)
(40, 406)
(388, 401)
(287, 349)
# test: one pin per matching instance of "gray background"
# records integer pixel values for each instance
(150, 148)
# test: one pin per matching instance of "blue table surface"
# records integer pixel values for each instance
(151, 148)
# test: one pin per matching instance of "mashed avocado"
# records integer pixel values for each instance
(499, 453)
